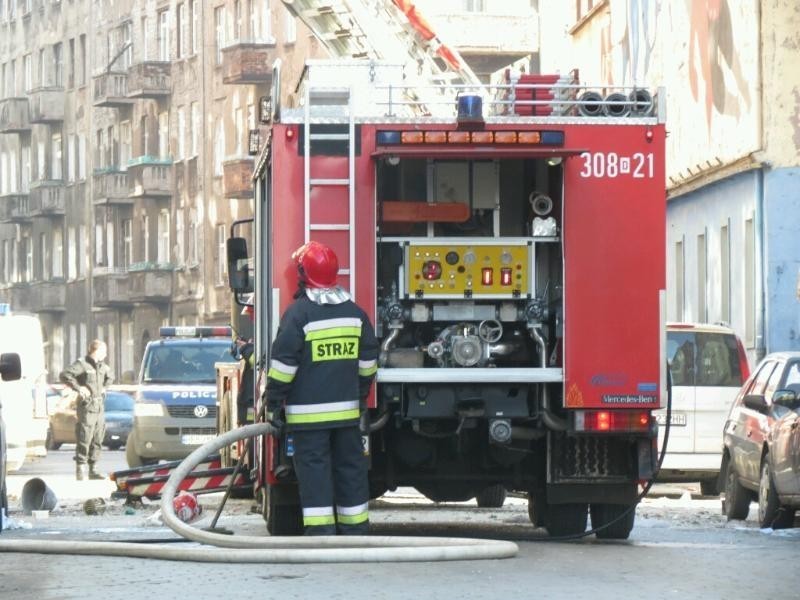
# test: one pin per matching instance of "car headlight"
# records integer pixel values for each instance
(148, 409)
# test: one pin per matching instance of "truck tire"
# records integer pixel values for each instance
(770, 511)
(566, 519)
(736, 504)
(493, 496)
(537, 508)
(281, 510)
(606, 513)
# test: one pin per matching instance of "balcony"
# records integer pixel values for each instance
(47, 105)
(246, 63)
(19, 296)
(111, 286)
(111, 90)
(47, 199)
(149, 80)
(111, 186)
(150, 282)
(15, 208)
(14, 115)
(150, 176)
(237, 178)
(48, 296)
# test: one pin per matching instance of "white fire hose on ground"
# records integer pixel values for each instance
(266, 549)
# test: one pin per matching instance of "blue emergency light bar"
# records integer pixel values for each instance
(195, 332)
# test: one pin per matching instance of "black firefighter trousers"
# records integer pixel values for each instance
(89, 432)
(332, 471)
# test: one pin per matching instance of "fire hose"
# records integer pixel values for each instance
(267, 549)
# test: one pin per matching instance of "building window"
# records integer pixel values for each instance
(71, 149)
(27, 70)
(219, 148)
(266, 21)
(81, 157)
(71, 64)
(73, 343)
(195, 129)
(72, 254)
(725, 273)
(25, 171)
(194, 252)
(44, 258)
(195, 16)
(163, 135)
(82, 61)
(702, 279)
(221, 256)
(145, 40)
(58, 253)
(41, 171)
(181, 146)
(237, 21)
(749, 283)
(6, 263)
(181, 30)
(27, 245)
(124, 145)
(58, 65)
(99, 255)
(110, 258)
(83, 249)
(82, 344)
(679, 281)
(144, 136)
(126, 41)
(179, 235)
(584, 7)
(219, 31)
(239, 125)
(163, 35)
(14, 261)
(127, 242)
(55, 157)
(146, 238)
(291, 28)
(163, 237)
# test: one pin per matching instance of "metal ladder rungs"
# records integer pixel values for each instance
(343, 272)
(329, 181)
(329, 136)
(329, 227)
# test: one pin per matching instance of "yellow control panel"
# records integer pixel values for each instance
(468, 270)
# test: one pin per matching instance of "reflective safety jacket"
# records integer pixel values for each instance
(323, 361)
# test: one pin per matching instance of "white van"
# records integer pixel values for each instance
(24, 401)
(708, 367)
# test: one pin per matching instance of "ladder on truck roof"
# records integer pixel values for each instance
(323, 97)
(390, 30)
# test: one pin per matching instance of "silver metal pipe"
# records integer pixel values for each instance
(549, 418)
(387, 344)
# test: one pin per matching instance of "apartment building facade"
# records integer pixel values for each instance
(733, 149)
(126, 131)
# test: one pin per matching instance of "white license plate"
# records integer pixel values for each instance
(196, 440)
(676, 419)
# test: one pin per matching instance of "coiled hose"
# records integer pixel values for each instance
(253, 549)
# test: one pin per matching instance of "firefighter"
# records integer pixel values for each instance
(324, 359)
(89, 376)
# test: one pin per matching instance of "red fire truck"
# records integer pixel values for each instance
(509, 247)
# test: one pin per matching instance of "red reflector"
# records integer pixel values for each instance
(487, 276)
(604, 421)
(505, 276)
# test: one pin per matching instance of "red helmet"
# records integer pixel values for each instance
(317, 265)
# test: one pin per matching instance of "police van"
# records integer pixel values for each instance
(176, 400)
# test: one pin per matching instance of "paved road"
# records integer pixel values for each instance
(681, 548)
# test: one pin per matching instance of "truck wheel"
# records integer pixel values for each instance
(282, 511)
(605, 513)
(566, 519)
(491, 497)
(770, 511)
(49, 442)
(736, 504)
(537, 508)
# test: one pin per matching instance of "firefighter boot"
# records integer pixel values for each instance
(94, 473)
(80, 471)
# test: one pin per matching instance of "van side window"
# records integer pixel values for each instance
(793, 378)
(773, 382)
(717, 360)
(680, 355)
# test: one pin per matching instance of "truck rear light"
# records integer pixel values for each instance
(606, 421)
(744, 367)
(458, 137)
(435, 137)
(487, 276)
(505, 137)
(529, 137)
(505, 276)
(482, 137)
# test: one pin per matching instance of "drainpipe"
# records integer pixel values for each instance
(761, 268)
